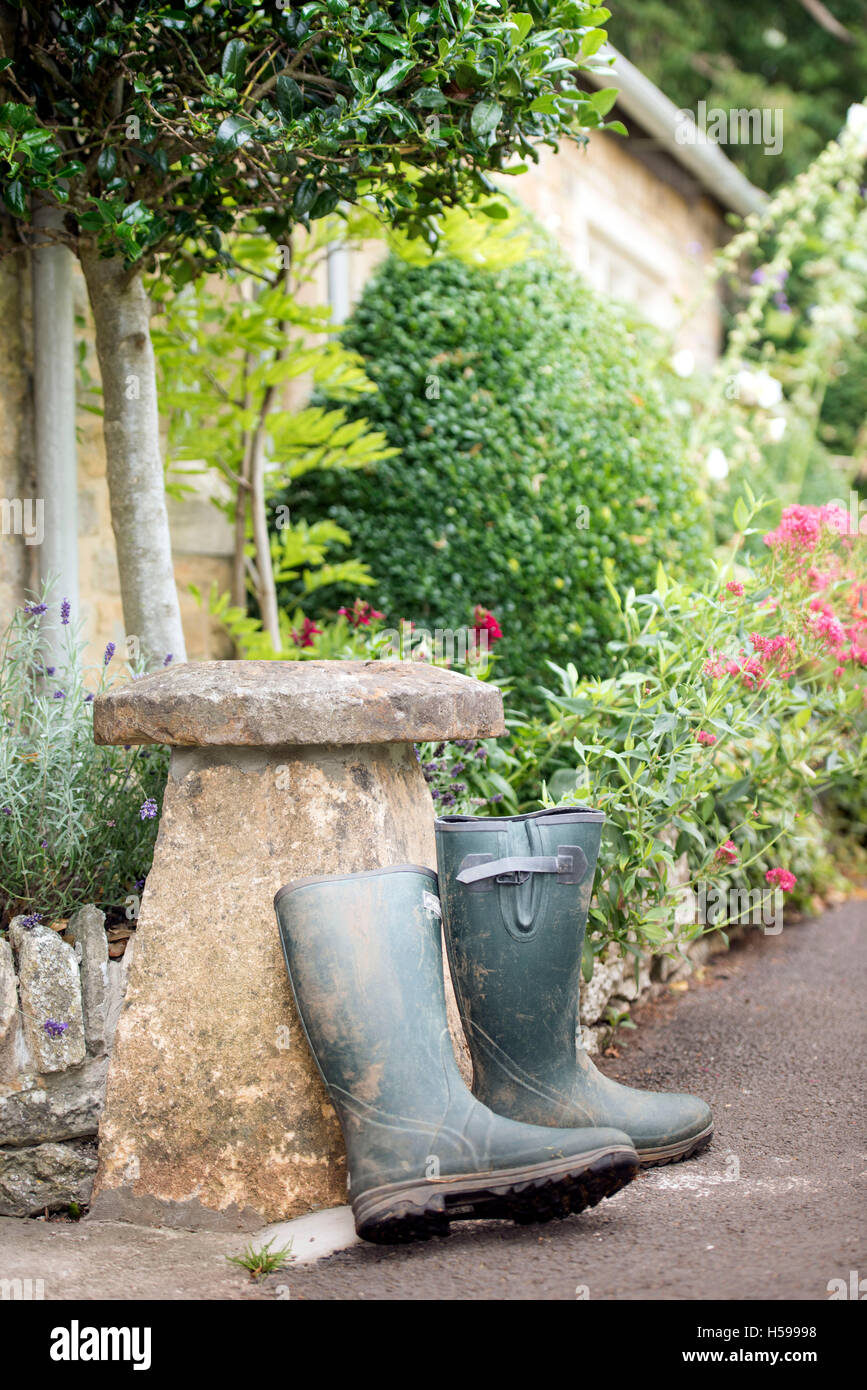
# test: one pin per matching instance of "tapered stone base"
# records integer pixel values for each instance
(215, 1113)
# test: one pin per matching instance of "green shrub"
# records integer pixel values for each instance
(77, 822)
(535, 454)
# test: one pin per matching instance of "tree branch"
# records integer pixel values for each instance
(827, 21)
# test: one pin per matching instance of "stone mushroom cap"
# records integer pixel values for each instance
(275, 703)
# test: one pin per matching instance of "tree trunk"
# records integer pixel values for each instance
(134, 467)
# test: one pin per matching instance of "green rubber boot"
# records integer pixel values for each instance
(365, 962)
(516, 893)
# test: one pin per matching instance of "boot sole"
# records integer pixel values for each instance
(675, 1153)
(406, 1211)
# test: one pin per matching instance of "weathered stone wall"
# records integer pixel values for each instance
(60, 996)
(641, 234)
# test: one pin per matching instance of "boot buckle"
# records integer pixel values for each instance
(514, 876)
(480, 873)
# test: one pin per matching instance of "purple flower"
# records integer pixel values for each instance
(54, 1029)
(59, 695)
(64, 612)
(87, 699)
(109, 653)
(149, 809)
(139, 884)
(782, 303)
(34, 609)
(481, 753)
(457, 767)
(44, 844)
(169, 659)
(7, 810)
(32, 921)
(498, 796)
(49, 670)
(757, 277)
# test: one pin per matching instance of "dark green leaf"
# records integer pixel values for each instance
(15, 197)
(288, 97)
(394, 74)
(234, 62)
(106, 163)
(486, 116)
(233, 131)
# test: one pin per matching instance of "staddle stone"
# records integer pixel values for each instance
(215, 1113)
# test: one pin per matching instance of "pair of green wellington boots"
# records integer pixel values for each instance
(542, 1133)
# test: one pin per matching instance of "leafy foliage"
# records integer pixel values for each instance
(796, 281)
(157, 124)
(733, 706)
(227, 353)
(536, 458)
(767, 54)
(72, 829)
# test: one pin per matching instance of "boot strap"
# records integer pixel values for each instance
(569, 864)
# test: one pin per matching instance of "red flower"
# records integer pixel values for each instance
(483, 621)
(704, 737)
(309, 630)
(735, 588)
(360, 614)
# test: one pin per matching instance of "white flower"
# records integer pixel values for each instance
(717, 464)
(683, 362)
(856, 121)
(776, 428)
(757, 388)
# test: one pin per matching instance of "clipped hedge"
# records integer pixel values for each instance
(535, 451)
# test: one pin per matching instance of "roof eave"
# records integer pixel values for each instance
(640, 98)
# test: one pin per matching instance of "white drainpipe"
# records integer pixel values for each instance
(338, 282)
(54, 400)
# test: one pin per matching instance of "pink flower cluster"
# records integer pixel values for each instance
(704, 737)
(822, 630)
(782, 878)
(771, 656)
(843, 640)
(727, 853)
(800, 528)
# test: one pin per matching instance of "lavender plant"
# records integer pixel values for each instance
(73, 829)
